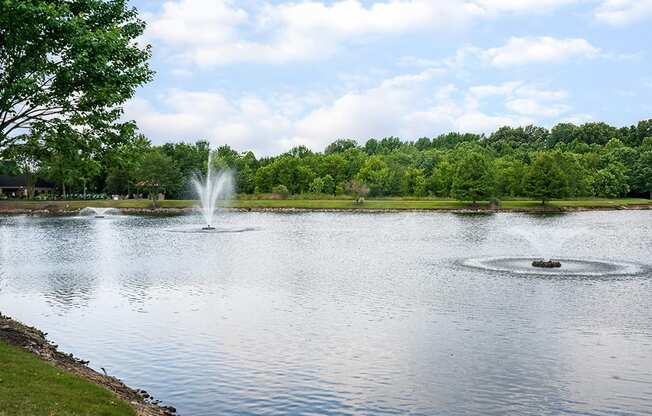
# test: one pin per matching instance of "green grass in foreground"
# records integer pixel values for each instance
(371, 203)
(31, 387)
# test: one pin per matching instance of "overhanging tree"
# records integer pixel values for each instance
(70, 61)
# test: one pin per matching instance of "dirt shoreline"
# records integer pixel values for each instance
(56, 211)
(34, 341)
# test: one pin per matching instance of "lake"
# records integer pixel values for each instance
(345, 313)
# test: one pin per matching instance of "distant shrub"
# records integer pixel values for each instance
(357, 189)
(281, 191)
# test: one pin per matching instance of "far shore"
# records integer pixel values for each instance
(171, 207)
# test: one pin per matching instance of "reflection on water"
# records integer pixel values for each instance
(341, 313)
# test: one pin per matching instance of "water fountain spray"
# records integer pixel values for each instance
(99, 212)
(212, 188)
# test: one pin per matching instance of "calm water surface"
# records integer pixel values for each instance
(336, 313)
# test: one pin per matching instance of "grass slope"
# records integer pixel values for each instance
(32, 387)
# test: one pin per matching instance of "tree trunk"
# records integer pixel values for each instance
(31, 184)
(63, 187)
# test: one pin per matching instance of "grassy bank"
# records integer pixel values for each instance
(36, 379)
(370, 204)
(30, 386)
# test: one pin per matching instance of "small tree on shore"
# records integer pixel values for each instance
(317, 186)
(358, 189)
(281, 191)
(545, 180)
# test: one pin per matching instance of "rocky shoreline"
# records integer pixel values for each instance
(34, 341)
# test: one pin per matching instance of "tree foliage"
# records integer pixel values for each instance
(473, 178)
(545, 179)
(67, 62)
(567, 161)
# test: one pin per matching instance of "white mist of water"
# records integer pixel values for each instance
(99, 212)
(212, 188)
(548, 242)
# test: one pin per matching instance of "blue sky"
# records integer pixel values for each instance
(270, 75)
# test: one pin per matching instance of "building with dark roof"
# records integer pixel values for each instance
(16, 186)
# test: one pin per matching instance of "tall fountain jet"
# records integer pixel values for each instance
(212, 188)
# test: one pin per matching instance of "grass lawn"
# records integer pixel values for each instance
(370, 203)
(31, 387)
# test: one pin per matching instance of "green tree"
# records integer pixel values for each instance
(317, 186)
(117, 181)
(329, 185)
(611, 181)
(562, 133)
(595, 133)
(441, 181)
(375, 173)
(69, 157)
(121, 162)
(340, 146)
(73, 62)
(26, 159)
(545, 179)
(335, 165)
(423, 143)
(643, 174)
(357, 189)
(157, 174)
(473, 178)
(509, 177)
(414, 182)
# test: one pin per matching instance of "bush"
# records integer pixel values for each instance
(281, 191)
(317, 186)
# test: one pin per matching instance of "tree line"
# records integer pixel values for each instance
(567, 161)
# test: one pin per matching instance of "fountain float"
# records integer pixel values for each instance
(546, 242)
(546, 264)
(211, 189)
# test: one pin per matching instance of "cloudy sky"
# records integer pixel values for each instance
(267, 75)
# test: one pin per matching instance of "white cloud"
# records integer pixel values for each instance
(181, 73)
(478, 122)
(577, 119)
(516, 52)
(622, 12)
(407, 106)
(532, 107)
(219, 32)
(522, 5)
(524, 99)
(518, 89)
(520, 51)
(246, 123)
(504, 89)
